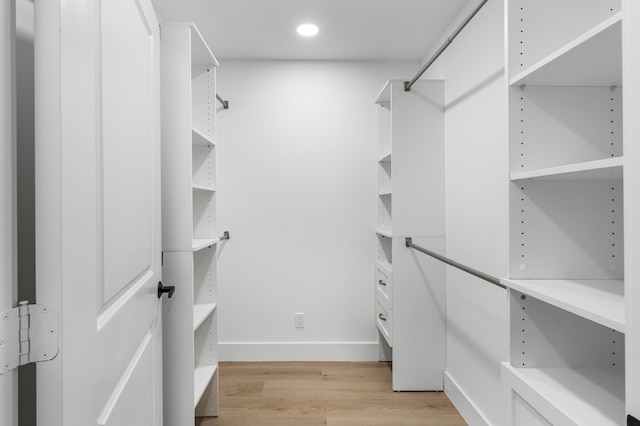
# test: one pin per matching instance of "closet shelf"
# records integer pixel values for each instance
(592, 59)
(576, 396)
(201, 312)
(196, 245)
(601, 301)
(385, 158)
(607, 169)
(200, 52)
(203, 188)
(199, 138)
(199, 244)
(202, 375)
(383, 233)
(384, 97)
(385, 192)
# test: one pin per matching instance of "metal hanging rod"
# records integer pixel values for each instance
(486, 277)
(225, 104)
(408, 84)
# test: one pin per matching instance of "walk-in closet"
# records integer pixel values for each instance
(319, 212)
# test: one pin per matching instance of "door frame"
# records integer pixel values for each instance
(8, 204)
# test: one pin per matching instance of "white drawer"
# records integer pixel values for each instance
(384, 320)
(384, 282)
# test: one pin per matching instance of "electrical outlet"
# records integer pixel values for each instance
(299, 319)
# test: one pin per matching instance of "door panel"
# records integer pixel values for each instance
(134, 389)
(98, 156)
(127, 41)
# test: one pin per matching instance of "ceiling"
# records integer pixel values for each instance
(349, 29)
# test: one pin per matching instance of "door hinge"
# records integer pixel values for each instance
(28, 333)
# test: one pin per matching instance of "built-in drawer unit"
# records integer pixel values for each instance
(384, 282)
(384, 320)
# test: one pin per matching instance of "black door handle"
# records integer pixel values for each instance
(165, 289)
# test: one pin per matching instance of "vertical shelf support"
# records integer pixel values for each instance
(189, 232)
(409, 292)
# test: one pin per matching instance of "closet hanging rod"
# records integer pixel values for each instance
(465, 268)
(225, 104)
(408, 84)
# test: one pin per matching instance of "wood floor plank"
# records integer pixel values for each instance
(323, 393)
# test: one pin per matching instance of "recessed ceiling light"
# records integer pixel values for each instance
(308, 30)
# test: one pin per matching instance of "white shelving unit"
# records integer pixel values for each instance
(567, 232)
(410, 289)
(190, 238)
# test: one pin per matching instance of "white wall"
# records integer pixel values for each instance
(296, 182)
(477, 178)
(301, 215)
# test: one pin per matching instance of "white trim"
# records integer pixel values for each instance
(467, 409)
(298, 351)
(8, 215)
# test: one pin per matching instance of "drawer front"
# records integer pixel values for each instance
(384, 320)
(384, 283)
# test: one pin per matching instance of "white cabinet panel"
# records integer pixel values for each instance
(410, 287)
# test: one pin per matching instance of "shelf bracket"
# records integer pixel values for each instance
(225, 104)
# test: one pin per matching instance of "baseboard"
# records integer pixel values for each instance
(298, 351)
(463, 404)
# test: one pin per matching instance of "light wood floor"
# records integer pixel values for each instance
(323, 393)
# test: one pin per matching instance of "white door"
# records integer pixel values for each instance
(8, 291)
(98, 210)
